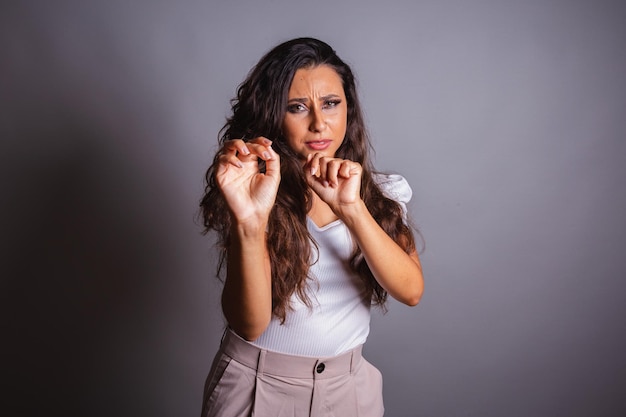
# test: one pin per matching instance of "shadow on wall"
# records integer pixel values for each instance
(83, 258)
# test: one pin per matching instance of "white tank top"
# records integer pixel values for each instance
(339, 318)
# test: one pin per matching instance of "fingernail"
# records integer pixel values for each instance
(325, 183)
(266, 155)
(245, 150)
(313, 170)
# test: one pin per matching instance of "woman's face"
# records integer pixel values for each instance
(317, 112)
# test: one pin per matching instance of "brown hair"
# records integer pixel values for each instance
(259, 110)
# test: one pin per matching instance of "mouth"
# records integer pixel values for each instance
(319, 145)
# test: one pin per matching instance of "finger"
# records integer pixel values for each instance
(316, 184)
(346, 169)
(309, 170)
(332, 171)
(272, 164)
(261, 151)
(320, 172)
(261, 140)
(322, 167)
(312, 165)
(230, 159)
(235, 146)
(236, 152)
(315, 169)
(261, 146)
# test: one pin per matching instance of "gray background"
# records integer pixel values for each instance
(508, 119)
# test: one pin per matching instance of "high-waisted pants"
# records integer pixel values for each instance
(247, 381)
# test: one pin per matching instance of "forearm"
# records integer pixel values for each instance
(398, 272)
(247, 294)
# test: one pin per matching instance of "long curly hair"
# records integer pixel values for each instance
(258, 110)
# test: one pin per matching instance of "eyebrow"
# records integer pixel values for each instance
(305, 100)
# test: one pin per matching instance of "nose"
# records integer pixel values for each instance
(317, 122)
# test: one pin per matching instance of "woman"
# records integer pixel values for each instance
(310, 237)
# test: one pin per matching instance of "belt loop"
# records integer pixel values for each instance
(261, 363)
(351, 360)
(223, 336)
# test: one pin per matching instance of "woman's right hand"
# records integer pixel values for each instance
(249, 193)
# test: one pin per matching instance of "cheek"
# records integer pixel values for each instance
(289, 135)
(340, 123)
(292, 133)
(292, 126)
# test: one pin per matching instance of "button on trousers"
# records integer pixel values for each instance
(247, 381)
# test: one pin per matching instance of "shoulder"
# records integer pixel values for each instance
(394, 186)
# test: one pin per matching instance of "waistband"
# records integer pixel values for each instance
(291, 366)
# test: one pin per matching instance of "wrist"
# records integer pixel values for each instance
(352, 213)
(249, 228)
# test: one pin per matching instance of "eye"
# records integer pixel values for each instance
(329, 104)
(296, 108)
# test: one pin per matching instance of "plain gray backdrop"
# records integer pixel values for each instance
(508, 118)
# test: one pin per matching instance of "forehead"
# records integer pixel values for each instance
(321, 79)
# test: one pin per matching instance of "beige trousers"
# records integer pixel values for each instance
(246, 381)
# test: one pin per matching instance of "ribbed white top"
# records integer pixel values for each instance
(339, 318)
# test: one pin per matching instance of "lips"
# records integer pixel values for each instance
(319, 145)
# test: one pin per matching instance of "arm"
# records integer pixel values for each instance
(399, 273)
(250, 195)
(337, 183)
(247, 294)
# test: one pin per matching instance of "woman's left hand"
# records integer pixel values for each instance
(336, 181)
